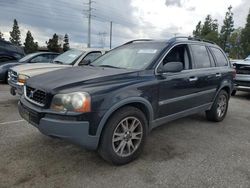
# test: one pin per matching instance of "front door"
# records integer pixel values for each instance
(177, 90)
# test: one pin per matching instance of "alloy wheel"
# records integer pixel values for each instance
(127, 136)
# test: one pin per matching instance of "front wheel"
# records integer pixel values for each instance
(124, 136)
(219, 109)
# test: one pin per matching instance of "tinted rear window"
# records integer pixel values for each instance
(200, 55)
(220, 57)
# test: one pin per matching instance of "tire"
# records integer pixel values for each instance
(6, 78)
(233, 93)
(219, 108)
(118, 139)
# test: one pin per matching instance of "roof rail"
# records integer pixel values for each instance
(191, 38)
(137, 40)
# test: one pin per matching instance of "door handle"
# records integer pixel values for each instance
(193, 79)
(218, 74)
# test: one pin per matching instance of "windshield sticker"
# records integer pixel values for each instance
(72, 55)
(147, 51)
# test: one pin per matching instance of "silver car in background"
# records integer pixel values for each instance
(242, 79)
(74, 57)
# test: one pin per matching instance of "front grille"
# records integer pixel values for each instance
(35, 95)
(242, 69)
(12, 75)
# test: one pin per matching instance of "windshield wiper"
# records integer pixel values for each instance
(58, 62)
(110, 66)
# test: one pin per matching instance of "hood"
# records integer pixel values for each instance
(77, 76)
(243, 62)
(8, 63)
(33, 69)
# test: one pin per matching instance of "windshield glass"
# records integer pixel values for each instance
(248, 58)
(133, 56)
(25, 58)
(68, 57)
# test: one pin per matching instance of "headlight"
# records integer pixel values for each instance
(76, 102)
(22, 78)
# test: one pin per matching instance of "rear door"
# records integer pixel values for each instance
(206, 73)
(224, 69)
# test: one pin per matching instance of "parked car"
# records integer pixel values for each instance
(242, 80)
(44, 57)
(112, 104)
(19, 75)
(9, 52)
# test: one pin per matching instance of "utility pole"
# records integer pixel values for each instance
(89, 24)
(110, 37)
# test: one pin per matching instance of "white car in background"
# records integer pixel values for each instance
(242, 79)
(19, 74)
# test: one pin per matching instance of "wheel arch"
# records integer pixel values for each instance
(224, 86)
(138, 102)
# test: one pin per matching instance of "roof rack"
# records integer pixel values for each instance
(137, 40)
(191, 38)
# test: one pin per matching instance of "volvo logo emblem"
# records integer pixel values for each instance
(31, 94)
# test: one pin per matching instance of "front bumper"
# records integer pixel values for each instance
(15, 86)
(73, 131)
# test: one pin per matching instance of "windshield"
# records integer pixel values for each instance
(133, 56)
(248, 58)
(68, 57)
(25, 58)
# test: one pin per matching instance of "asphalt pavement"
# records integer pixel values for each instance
(189, 152)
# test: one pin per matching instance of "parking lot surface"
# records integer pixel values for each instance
(190, 152)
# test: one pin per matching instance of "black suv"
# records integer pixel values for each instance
(113, 103)
(9, 52)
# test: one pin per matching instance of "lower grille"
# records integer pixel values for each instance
(36, 96)
(242, 83)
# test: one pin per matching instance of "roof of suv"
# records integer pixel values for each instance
(174, 40)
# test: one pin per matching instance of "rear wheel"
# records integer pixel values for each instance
(219, 109)
(124, 136)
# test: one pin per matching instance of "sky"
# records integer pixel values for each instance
(132, 19)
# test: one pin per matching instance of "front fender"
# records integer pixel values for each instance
(122, 103)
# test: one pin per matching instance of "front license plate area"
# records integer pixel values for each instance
(32, 118)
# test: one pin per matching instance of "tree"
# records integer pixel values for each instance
(15, 34)
(246, 37)
(197, 31)
(66, 43)
(29, 45)
(53, 44)
(208, 30)
(227, 29)
(1, 35)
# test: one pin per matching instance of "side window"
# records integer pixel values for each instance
(200, 55)
(220, 57)
(52, 56)
(92, 56)
(179, 53)
(41, 58)
(211, 58)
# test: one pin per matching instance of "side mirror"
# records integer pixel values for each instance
(84, 62)
(172, 67)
